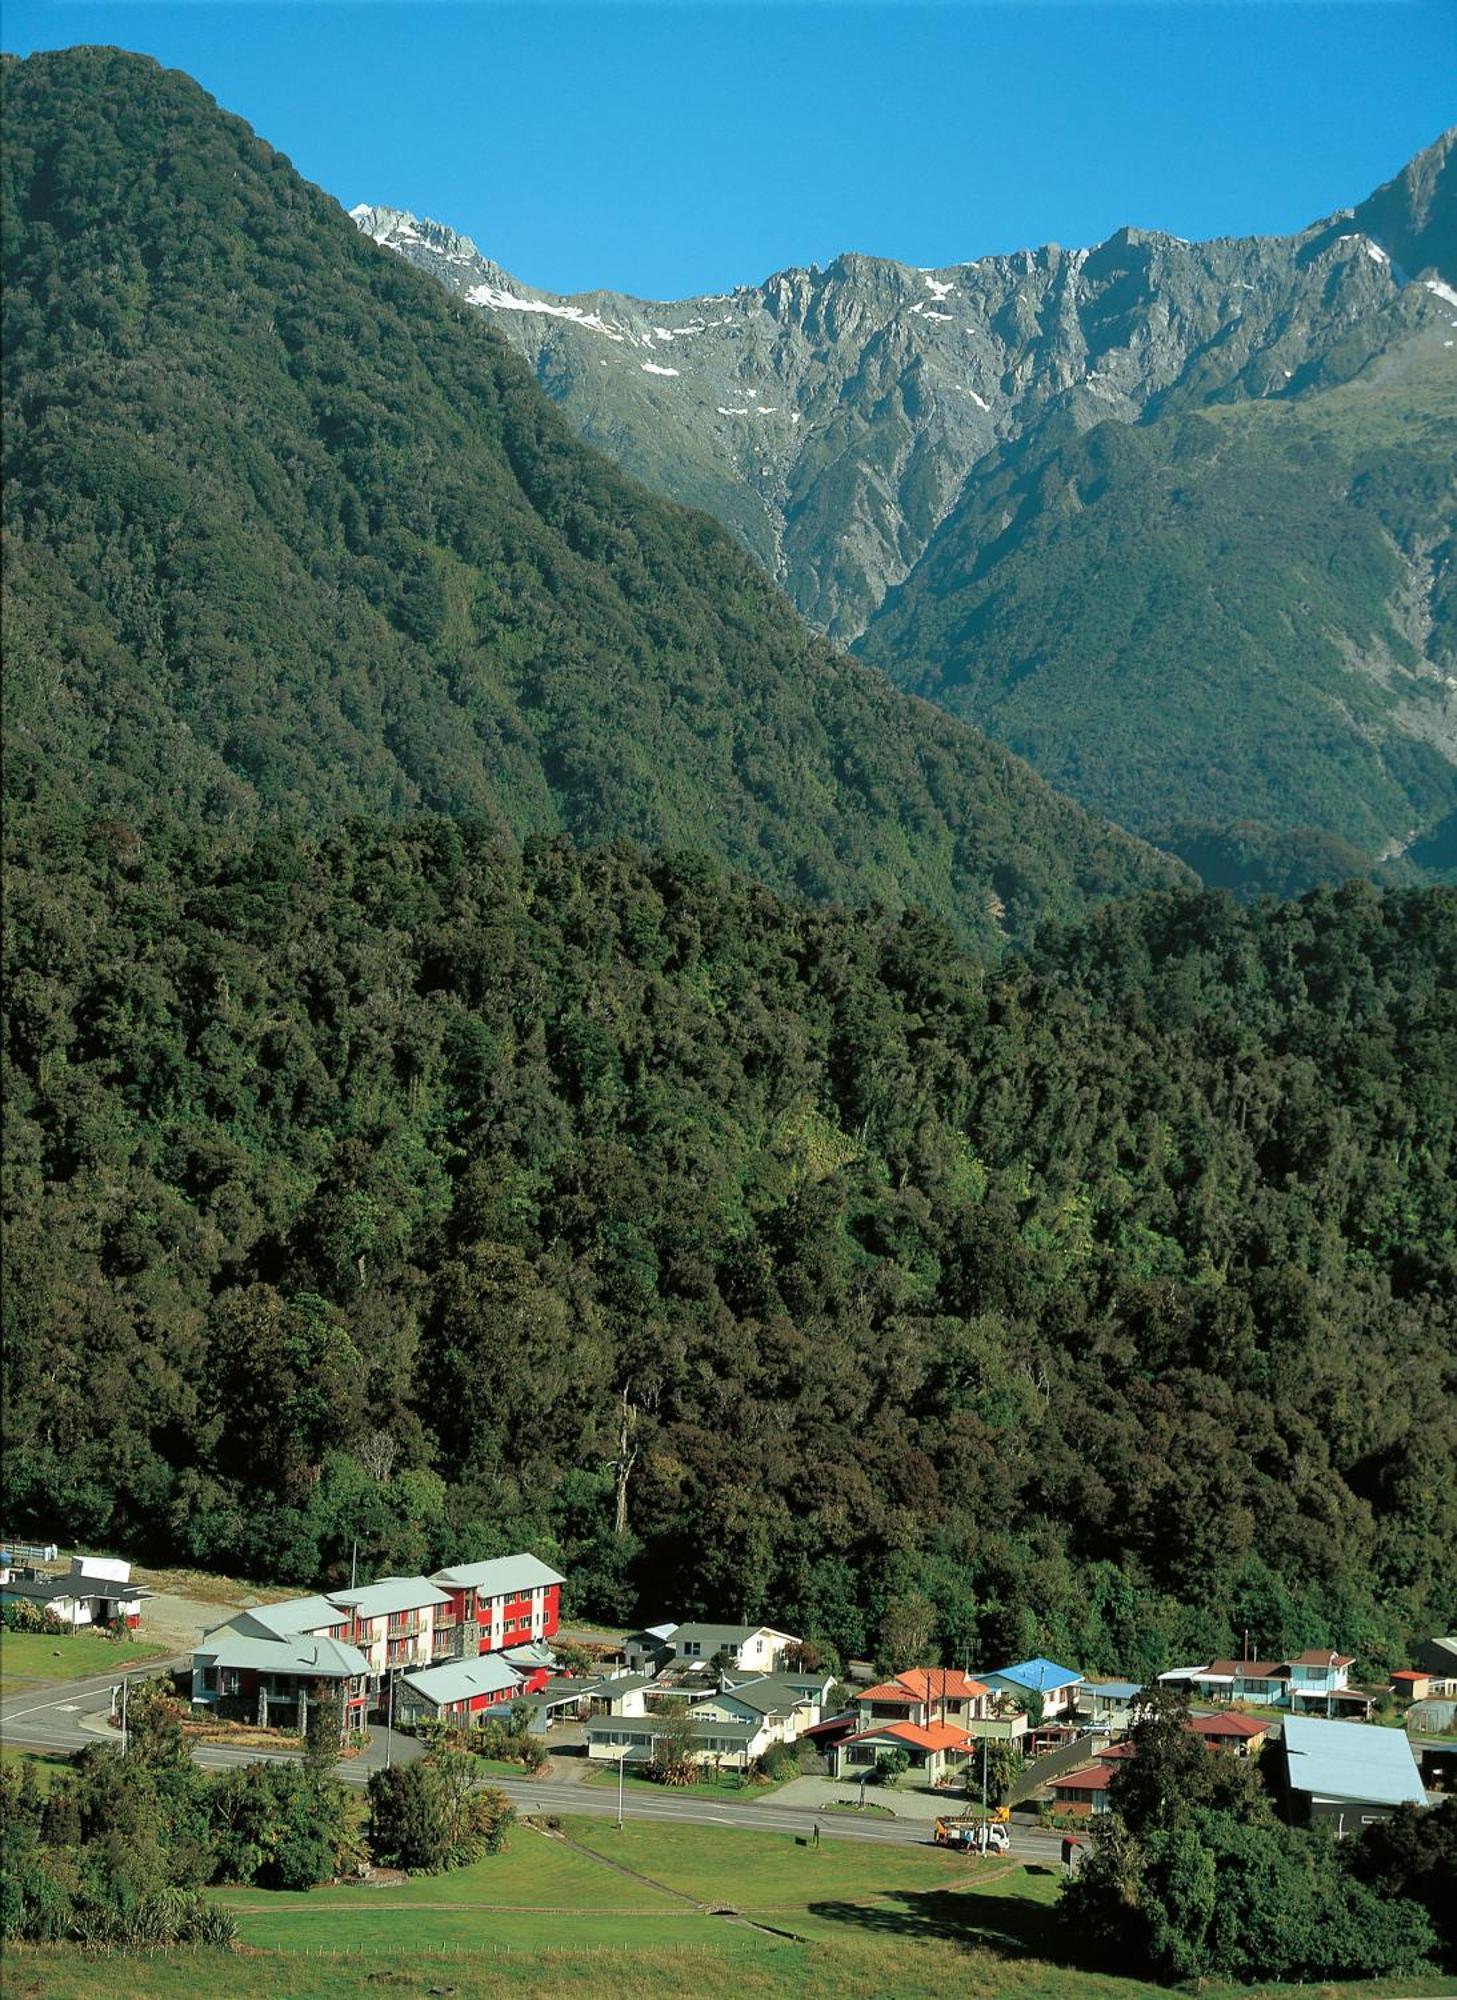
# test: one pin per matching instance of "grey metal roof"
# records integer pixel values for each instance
(766, 1696)
(711, 1635)
(459, 1680)
(391, 1593)
(501, 1576)
(642, 1727)
(326, 1659)
(536, 1653)
(294, 1614)
(1351, 1760)
(815, 1685)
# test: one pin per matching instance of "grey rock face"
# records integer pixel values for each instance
(831, 418)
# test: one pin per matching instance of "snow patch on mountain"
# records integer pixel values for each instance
(501, 301)
(652, 368)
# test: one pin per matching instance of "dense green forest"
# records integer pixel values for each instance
(290, 534)
(1244, 615)
(376, 1183)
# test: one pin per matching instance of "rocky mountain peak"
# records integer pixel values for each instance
(832, 417)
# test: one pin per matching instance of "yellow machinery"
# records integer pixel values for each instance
(973, 1834)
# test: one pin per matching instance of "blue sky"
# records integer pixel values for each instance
(690, 146)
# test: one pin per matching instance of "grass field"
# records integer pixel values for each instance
(631, 1916)
(29, 1659)
(604, 1778)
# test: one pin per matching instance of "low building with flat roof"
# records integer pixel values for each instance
(1349, 1773)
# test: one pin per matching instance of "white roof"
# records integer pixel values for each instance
(1352, 1760)
(326, 1658)
(391, 1593)
(502, 1576)
(102, 1569)
(460, 1679)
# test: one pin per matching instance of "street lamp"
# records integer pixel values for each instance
(389, 1724)
(621, 1768)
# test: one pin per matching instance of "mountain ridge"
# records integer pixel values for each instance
(949, 362)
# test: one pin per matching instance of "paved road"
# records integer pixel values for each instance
(73, 1716)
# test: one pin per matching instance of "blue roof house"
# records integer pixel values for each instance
(1056, 1685)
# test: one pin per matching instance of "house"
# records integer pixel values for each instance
(392, 1622)
(1241, 1735)
(631, 1737)
(934, 1694)
(457, 1691)
(496, 1605)
(1266, 1682)
(276, 1678)
(621, 1695)
(95, 1590)
(1056, 1685)
(1314, 1679)
(814, 1687)
(1108, 1704)
(935, 1751)
(782, 1709)
(1346, 1773)
(648, 1651)
(749, 1648)
(1084, 1790)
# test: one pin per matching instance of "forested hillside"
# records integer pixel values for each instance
(1249, 614)
(290, 534)
(372, 1184)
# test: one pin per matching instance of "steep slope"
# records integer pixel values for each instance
(290, 534)
(831, 417)
(1244, 616)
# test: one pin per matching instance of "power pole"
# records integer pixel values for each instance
(389, 1726)
(123, 1714)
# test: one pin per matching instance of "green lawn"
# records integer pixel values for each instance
(501, 1767)
(630, 1916)
(887, 1967)
(604, 1778)
(30, 1659)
